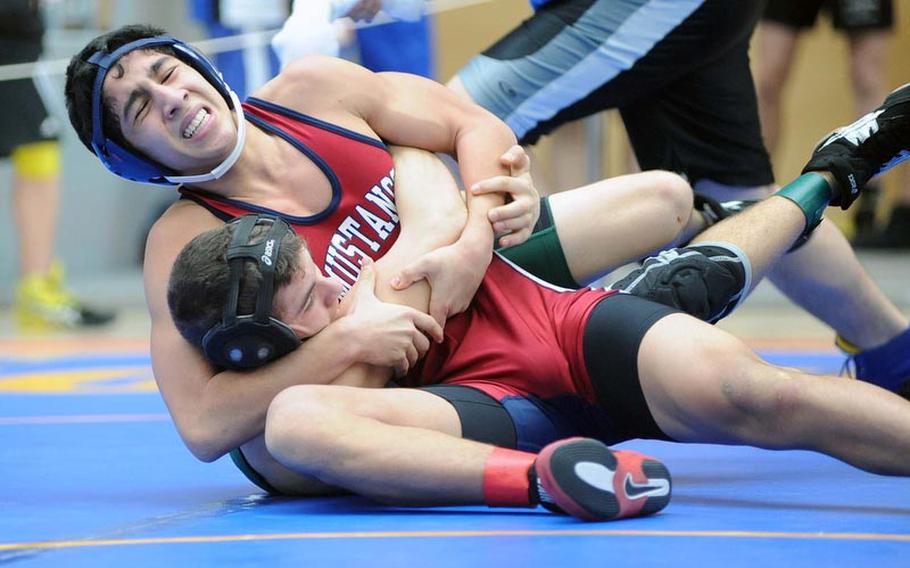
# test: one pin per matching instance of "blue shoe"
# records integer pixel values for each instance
(887, 366)
(872, 145)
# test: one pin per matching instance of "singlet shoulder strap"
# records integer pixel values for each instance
(315, 122)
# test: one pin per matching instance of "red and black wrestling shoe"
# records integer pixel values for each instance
(584, 478)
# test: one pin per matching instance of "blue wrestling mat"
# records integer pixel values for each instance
(94, 474)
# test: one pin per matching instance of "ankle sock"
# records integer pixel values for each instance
(811, 193)
(507, 479)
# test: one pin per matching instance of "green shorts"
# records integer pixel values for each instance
(246, 469)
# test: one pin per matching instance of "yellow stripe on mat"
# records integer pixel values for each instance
(450, 534)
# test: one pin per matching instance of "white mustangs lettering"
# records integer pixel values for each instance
(362, 233)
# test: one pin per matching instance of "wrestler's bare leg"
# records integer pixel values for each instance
(824, 276)
(700, 383)
(606, 224)
(392, 445)
(704, 385)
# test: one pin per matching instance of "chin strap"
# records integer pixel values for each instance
(228, 162)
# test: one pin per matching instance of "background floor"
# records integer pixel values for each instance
(94, 474)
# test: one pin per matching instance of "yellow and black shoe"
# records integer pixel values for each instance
(43, 304)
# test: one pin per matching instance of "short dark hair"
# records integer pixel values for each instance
(200, 279)
(80, 81)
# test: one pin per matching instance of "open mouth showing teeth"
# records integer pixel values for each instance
(197, 121)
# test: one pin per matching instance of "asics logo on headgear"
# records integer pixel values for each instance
(266, 257)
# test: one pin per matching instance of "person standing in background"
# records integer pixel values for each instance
(249, 68)
(404, 44)
(28, 137)
(867, 24)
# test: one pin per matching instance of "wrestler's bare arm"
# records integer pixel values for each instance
(216, 412)
(416, 112)
(403, 109)
(432, 216)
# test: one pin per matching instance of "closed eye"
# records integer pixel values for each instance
(308, 298)
(142, 108)
(145, 103)
(309, 301)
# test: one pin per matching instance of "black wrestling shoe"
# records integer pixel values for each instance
(584, 478)
(872, 145)
(713, 211)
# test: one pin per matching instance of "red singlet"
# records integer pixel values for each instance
(361, 220)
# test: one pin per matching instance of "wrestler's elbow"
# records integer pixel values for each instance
(205, 450)
(203, 441)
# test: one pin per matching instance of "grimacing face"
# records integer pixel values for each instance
(310, 301)
(169, 112)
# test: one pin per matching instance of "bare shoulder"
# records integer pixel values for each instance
(317, 68)
(177, 226)
(315, 81)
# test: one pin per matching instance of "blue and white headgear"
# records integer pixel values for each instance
(132, 165)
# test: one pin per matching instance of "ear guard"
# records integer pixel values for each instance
(248, 341)
(132, 165)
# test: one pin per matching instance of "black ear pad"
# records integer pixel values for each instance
(247, 344)
(251, 340)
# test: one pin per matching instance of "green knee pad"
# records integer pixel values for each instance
(244, 466)
(542, 254)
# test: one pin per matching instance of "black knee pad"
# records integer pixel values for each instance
(707, 280)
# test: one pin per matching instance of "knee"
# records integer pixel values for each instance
(707, 281)
(299, 421)
(868, 72)
(674, 194)
(868, 85)
(763, 401)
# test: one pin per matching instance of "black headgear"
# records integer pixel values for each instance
(251, 340)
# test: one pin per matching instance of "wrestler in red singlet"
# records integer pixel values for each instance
(549, 389)
(515, 313)
(361, 220)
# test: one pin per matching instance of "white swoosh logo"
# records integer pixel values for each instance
(651, 488)
(596, 475)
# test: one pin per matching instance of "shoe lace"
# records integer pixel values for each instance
(848, 369)
(737, 205)
(711, 210)
(851, 351)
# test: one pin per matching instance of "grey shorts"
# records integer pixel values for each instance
(678, 72)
